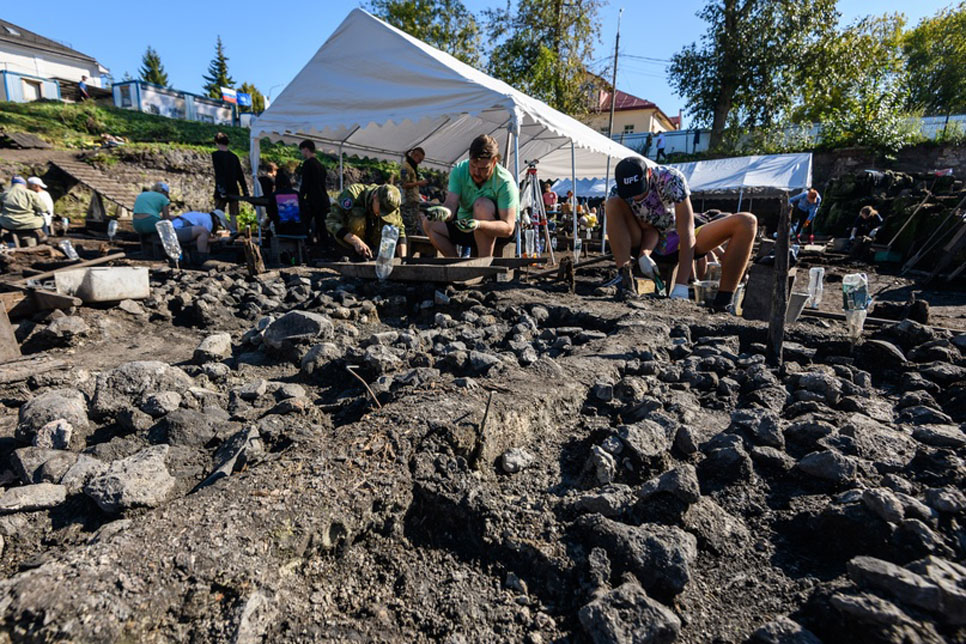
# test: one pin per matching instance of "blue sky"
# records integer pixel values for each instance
(267, 43)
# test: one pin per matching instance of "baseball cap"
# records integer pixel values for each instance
(389, 200)
(630, 175)
(35, 181)
(222, 219)
(18, 179)
(161, 186)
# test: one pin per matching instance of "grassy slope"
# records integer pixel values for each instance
(79, 126)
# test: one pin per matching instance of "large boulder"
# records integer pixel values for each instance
(627, 614)
(58, 404)
(130, 385)
(213, 348)
(295, 328)
(141, 480)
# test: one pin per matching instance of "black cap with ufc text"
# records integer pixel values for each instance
(630, 175)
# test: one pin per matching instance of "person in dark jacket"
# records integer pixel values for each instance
(312, 195)
(229, 178)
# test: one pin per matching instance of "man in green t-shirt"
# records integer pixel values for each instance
(481, 204)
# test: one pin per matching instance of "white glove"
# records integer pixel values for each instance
(648, 267)
(680, 292)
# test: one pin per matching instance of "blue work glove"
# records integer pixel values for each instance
(680, 292)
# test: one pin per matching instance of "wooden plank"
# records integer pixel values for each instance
(21, 369)
(18, 304)
(452, 273)
(84, 264)
(45, 300)
(9, 347)
(506, 262)
(587, 262)
(835, 315)
(779, 298)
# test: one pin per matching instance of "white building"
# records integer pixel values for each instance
(33, 67)
(164, 101)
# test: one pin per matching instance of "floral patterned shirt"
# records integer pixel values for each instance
(666, 187)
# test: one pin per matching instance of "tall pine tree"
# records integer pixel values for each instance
(152, 71)
(217, 76)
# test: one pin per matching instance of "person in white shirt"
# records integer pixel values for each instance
(198, 227)
(37, 185)
(660, 148)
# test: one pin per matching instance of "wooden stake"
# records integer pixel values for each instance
(779, 299)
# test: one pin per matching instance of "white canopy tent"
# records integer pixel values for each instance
(586, 187)
(373, 90)
(773, 171)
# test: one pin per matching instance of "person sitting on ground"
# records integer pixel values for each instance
(864, 230)
(198, 227)
(549, 197)
(649, 203)
(482, 204)
(150, 207)
(804, 208)
(37, 185)
(356, 219)
(22, 211)
(411, 183)
(229, 178)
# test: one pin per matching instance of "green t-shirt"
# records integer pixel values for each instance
(500, 187)
(150, 203)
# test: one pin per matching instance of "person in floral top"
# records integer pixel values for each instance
(650, 206)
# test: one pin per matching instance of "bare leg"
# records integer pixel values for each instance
(623, 231)
(438, 235)
(484, 210)
(739, 231)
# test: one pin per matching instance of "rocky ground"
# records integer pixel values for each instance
(529, 466)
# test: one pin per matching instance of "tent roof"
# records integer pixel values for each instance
(773, 171)
(378, 92)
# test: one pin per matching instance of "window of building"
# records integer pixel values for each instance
(629, 129)
(32, 90)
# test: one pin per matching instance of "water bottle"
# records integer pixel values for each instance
(816, 277)
(540, 243)
(68, 249)
(65, 223)
(855, 292)
(169, 239)
(529, 238)
(111, 229)
(553, 243)
(578, 246)
(466, 252)
(387, 249)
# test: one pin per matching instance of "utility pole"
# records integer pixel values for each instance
(613, 84)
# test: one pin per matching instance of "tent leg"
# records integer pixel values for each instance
(254, 157)
(341, 173)
(741, 194)
(516, 174)
(603, 213)
(573, 182)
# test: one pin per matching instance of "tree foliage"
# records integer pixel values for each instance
(542, 48)
(445, 24)
(258, 99)
(217, 76)
(152, 71)
(936, 62)
(744, 68)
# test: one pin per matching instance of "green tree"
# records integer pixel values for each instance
(742, 72)
(541, 48)
(152, 71)
(258, 99)
(445, 24)
(217, 76)
(936, 62)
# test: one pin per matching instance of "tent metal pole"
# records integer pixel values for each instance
(516, 174)
(573, 181)
(254, 157)
(341, 173)
(603, 207)
(741, 194)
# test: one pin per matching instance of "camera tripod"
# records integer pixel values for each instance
(538, 218)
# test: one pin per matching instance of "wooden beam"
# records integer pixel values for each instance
(18, 304)
(779, 298)
(9, 347)
(22, 368)
(452, 273)
(84, 264)
(835, 315)
(45, 300)
(587, 262)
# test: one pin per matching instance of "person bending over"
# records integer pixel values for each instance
(150, 207)
(356, 219)
(481, 204)
(649, 203)
(198, 227)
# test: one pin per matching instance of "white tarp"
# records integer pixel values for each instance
(585, 187)
(774, 171)
(375, 91)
